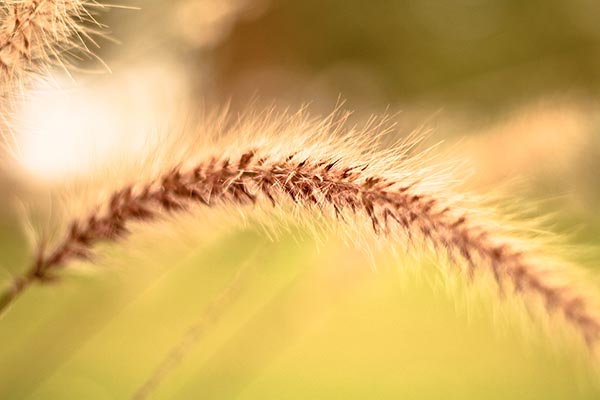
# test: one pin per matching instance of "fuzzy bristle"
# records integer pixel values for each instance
(38, 34)
(312, 166)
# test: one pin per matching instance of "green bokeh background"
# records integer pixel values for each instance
(314, 319)
(298, 323)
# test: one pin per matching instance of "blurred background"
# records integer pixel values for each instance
(512, 87)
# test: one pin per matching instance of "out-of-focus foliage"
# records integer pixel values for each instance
(482, 53)
(300, 323)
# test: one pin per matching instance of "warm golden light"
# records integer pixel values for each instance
(72, 130)
(261, 199)
(64, 132)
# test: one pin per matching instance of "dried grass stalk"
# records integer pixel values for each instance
(394, 192)
(38, 34)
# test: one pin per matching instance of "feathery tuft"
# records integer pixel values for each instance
(38, 34)
(312, 164)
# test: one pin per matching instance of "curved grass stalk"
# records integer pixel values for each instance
(396, 203)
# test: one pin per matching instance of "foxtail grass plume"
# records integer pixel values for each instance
(324, 166)
(38, 34)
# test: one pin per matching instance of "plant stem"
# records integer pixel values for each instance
(10, 293)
